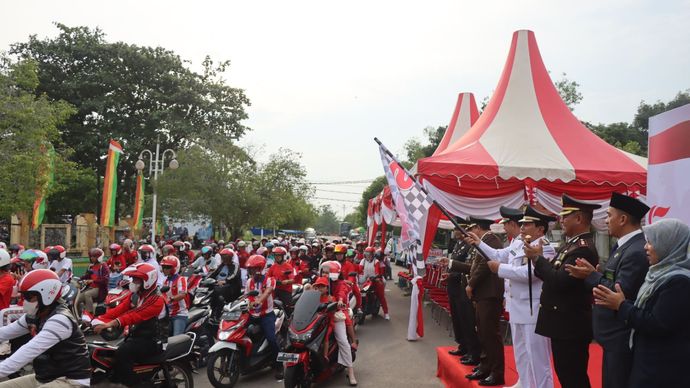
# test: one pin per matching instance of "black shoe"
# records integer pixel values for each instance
(491, 380)
(478, 375)
(457, 352)
(469, 360)
(477, 368)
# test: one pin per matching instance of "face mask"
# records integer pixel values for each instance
(333, 276)
(30, 308)
(134, 287)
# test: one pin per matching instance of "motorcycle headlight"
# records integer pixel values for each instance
(223, 335)
(300, 337)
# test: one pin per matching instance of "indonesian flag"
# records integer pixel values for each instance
(668, 187)
(418, 214)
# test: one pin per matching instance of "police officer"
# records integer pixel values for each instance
(565, 313)
(460, 305)
(627, 266)
(532, 351)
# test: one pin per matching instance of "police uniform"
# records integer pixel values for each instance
(532, 351)
(628, 267)
(461, 312)
(565, 312)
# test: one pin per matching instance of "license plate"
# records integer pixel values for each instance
(287, 357)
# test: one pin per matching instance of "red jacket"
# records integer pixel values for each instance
(243, 256)
(149, 308)
(277, 271)
(130, 257)
(301, 269)
(117, 258)
(190, 256)
(347, 267)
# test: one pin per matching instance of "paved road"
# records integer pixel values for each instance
(385, 358)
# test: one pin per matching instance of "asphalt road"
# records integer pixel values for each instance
(384, 358)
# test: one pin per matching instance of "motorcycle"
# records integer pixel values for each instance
(370, 302)
(171, 368)
(241, 348)
(311, 355)
(114, 297)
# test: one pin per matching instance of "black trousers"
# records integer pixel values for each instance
(570, 358)
(617, 366)
(128, 353)
(488, 312)
(455, 292)
(470, 340)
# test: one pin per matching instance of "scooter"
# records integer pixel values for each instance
(311, 355)
(169, 369)
(241, 348)
(370, 302)
(114, 297)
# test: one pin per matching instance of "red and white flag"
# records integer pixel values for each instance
(668, 187)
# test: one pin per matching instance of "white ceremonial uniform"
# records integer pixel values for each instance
(532, 351)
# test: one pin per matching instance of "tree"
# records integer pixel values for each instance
(28, 127)
(327, 221)
(133, 94)
(645, 110)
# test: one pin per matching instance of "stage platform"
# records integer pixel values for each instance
(452, 373)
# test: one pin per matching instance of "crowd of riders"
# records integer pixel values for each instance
(158, 300)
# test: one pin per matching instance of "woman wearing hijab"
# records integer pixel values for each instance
(659, 316)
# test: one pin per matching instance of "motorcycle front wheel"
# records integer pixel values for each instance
(295, 378)
(223, 368)
(178, 376)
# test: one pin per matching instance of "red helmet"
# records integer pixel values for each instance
(256, 261)
(167, 248)
(97, 253)
(361, 243)
(179, 245)
(370, 249)
(115, 247)
(279, 251)
(329, 247)
(44, 282)
(332, 267)
(227, 251)
(144, 271)
(340, 248)
(146, 248)
(48, 248)
(171, 261)
(60, 249)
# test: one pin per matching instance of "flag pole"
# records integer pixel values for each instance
(445, 212)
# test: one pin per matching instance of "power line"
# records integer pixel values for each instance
(340, 192)
(335, 199)
(342, 182)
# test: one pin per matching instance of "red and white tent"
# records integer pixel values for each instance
(528, 146)
(464, 115)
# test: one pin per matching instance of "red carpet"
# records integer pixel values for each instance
(452, 373)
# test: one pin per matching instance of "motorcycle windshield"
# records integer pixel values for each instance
(305, 309)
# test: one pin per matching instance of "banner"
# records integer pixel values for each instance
(668, 187)
(418, 215)
(110, 184)
(139, 203)
(39, 208)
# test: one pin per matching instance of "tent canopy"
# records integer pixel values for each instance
(528, 138)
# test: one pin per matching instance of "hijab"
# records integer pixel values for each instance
(670, 239)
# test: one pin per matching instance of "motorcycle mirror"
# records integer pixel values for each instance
(352, 274)
(165, 289)
(253, 293)
(332, 307)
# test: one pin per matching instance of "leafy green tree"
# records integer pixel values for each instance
(645, 110)
(28, 126)
(131, 93)
(327, 221)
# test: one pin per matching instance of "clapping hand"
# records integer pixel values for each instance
(603, 296)
(581, 270)
(534, 251)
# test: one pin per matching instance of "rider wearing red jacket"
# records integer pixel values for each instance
(371, 267)
(144, 312)
(347, 267)
(284, 275)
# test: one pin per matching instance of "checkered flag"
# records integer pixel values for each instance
(418, 214)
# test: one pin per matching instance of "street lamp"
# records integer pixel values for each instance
(156, 165)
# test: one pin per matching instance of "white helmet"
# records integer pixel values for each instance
(44, 282)
(4, 258)
(303, 248)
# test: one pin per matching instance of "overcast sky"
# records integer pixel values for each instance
(325, 77)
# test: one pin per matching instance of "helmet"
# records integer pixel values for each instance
(261, 251)
(167, 248)
(378, 253)
(128, 243)
(227, 251)
(179, 245)
(116, 248)
(280, 251)
(144, 271)
(321, 281)
(315, 245)
(350, 253)
(256, 243)
(146, 248)
(97, 253)
(16, 248)
(171, 261)
(303, 248)
(61, 249)
(46, 250)
(340, 248)
(369, 250)
(4, 258)
(44, 282)
(294, 249)
(332, 267)
(221, 242)
(269, 245)
(206, 250)
(241, 244)
(256, 261)
(187, 245)
(42, 256)
(329, 247)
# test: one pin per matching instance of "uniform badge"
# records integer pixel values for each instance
(583, 243)
(513, 253)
